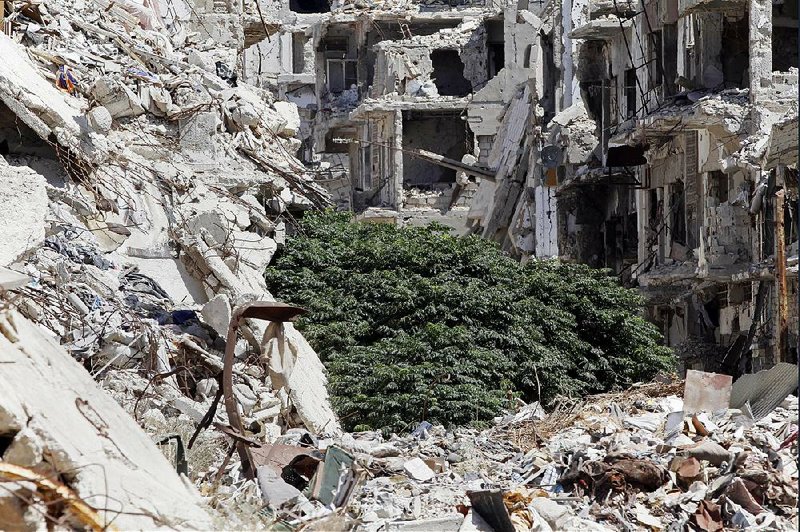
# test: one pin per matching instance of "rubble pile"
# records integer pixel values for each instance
(147, 189)
(641, 459)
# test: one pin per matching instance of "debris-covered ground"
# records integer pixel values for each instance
(145, 189)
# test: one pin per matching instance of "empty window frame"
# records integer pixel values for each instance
(630, 93)
(654, 53)
(341, 74)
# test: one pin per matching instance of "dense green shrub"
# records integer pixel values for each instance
(413, 323)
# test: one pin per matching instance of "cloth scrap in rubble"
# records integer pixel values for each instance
(66, 80)
(142, 75)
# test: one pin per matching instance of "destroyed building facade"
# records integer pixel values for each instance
(655, 138)
(691, 191)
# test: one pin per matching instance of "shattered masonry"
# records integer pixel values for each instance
(156, 152)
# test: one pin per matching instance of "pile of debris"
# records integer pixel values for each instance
(642, 459)
(146, 191)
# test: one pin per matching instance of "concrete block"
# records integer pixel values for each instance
(197, 139)
(291, 116)
(217, 313)
(706, 392)
(25, 205)
(116, 97)
(418, 470)
(100, 119)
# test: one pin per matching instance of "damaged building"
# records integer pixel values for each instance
(380, 91)
(157, 153)
(658, 139)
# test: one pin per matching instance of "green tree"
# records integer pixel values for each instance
(413, 323)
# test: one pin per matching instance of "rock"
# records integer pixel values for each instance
(197, 139)
(100, 119)
(710, 451)
(384, 450)
(454, 458)
(418, 470)
(116, 97)
(554, 513)
(217, 313)
(22, 218)
(275, 492)
(25, 449)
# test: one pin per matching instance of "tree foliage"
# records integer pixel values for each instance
(413, 323)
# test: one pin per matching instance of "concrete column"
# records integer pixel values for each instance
(397, 177)
(760, 49)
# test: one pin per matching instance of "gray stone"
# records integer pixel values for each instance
(116, 97)
(275, 492)
(100, 119)
(554, 513)
(25, 450)
(217, 313)
(418, 470)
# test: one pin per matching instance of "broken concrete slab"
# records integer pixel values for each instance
(417, 469)
(116, 97)
(197, 139)
(109, 461)
(31, 97)
(275, 492)
(288, 111)
(706, 392)
(25, 206)
(217, 313)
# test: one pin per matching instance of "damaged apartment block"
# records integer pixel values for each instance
(383, 97)
(645, 136)
(671, 159)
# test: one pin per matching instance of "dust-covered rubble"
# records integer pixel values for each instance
(625, 461)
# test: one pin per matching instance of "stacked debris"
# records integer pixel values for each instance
(641, 459)
(146, 191)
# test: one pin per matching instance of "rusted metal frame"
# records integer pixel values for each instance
(262, 310)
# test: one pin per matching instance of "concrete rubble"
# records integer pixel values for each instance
(156, 154)
(632, 460)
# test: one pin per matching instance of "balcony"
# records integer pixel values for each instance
(720, 6)
(601, 29)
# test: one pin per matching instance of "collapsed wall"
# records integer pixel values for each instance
(147, 190)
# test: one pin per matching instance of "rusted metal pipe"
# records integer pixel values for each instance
(259, 310)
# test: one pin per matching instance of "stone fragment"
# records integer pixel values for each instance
(275, 491)
(288, 111)
(116, 97)
(417, 469)
(217, 313)
(100, 119)
(22, 218)
(25, 449)
(554, 513)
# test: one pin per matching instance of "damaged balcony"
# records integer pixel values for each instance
(606, 28)
(686, 7)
